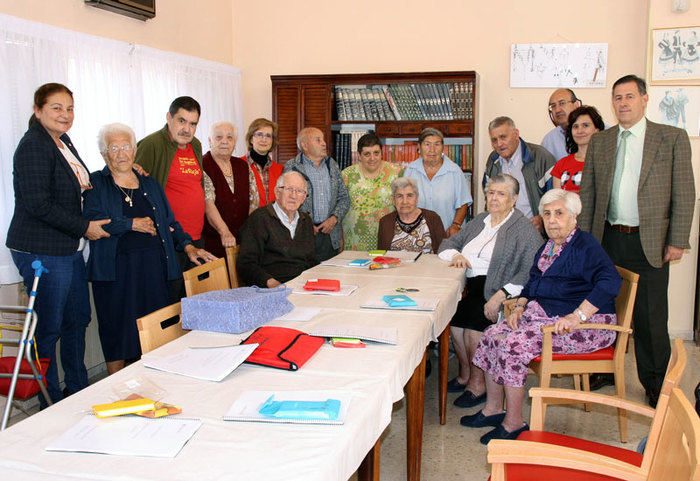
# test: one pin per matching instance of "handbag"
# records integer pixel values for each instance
(281, 347)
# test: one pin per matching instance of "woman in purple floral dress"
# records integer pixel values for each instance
(572, 281)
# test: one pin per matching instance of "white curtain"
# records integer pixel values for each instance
(111, 81)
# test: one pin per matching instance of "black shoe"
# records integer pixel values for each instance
(653, 397)
(598, 381)
(467, 400)
(478, 420)
(454, 385)
(501, 433)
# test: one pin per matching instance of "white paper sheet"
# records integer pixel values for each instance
(207, 363)
(300, 314)
(345, 290)
(127, 436)
(386, 335)
(247, 405)
(423, 305)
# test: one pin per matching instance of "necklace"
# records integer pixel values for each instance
(127, 197)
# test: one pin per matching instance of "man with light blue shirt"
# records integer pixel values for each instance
(442, 186)
(530, 164)
(561, 104)
(328, 200)
(638, 196)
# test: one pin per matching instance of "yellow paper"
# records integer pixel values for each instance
(122, 407)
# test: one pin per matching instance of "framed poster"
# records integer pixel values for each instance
(677, 105)
(557, 65)
(675, 54)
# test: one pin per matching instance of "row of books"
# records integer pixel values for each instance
(346, 151)
(417, 101)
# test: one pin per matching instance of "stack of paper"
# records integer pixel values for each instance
(208, 363)
(246, 407)
(386, 335)
(345, 290)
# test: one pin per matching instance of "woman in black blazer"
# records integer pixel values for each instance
(49, 178)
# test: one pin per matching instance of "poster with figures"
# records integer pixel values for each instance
(677, 105)
(572, 65)
(675, 54)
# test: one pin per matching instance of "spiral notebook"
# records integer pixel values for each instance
(246, 407)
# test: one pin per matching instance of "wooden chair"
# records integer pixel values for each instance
(231, 256)
(211, 276)
(672, 450)
(160, 327)
(608, 360)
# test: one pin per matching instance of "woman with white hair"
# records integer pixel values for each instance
(572, 281)
(130, 269)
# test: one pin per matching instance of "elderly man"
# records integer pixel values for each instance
(277, 240)
(328, 201)
(230, 191)
(173, 156)
(530, 164)
(638, 194)
(561, 104)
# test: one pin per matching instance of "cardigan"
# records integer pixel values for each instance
(156, 152)
(517, 241)
(268, 250)
(583, 271)
(104, 201)
(387, 223)
(47, 218)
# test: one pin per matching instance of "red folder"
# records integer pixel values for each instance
(387, 260)
(282, 348)
(322, 285)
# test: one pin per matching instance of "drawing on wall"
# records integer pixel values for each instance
(677, 105)
(675, 54)
(573, 65)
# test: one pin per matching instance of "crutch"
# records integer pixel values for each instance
(25, 344)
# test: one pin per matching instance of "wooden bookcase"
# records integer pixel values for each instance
(300, 101)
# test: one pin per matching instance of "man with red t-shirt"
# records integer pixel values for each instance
(173, 156)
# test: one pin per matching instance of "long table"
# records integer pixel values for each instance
(223, 450)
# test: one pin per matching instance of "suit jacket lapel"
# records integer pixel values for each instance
(652, 141)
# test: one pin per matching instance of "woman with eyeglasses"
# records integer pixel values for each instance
(497, 248)
(230, 191)
(48, 178)
(131, 268)
(261, 139)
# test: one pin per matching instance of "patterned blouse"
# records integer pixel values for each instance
(370, 201)
(414, 237)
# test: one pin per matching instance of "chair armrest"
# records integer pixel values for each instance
(591, 325)
(540, 395)
(501, 452)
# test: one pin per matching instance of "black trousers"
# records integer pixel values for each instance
(323, 247)
(652, 345)
(177, 287)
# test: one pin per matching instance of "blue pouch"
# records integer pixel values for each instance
(399, 301)
(322, 410)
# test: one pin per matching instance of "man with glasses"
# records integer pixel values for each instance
(561, 104)
(328, 200)
(530, 164)
(277, 240)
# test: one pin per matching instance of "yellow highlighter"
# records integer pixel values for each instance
(122, 407)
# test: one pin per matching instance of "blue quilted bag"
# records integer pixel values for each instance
(235, 310)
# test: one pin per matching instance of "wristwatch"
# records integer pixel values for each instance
(581, 315)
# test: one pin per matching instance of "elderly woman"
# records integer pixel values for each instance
(369, 185)
(261, 139)
(497, 248)
(230, 191)
(442, 185)
(130, 269)
(48, 178)
(409, 228)
(572, 281)
(583, 123)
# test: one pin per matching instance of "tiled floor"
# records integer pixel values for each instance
(453, 452)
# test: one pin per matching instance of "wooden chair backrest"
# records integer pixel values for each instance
(160, 327)
(231, 257)
(211, 276)
(677, 455)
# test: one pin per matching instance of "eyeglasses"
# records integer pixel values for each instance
(260, 135)
(561, 103)
(292, 190)
(124, 148)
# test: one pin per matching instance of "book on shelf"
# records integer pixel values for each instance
(414, 101)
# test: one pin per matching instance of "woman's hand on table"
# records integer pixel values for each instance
(566, 323)
(196, 254)
(95, 230)
(458, 260)
(143, 224)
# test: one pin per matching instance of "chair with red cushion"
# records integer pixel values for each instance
(672, 451)
(608, 360)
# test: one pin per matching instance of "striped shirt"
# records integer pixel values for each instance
(320, 178)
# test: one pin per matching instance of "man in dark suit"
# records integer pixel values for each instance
(638, 195)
